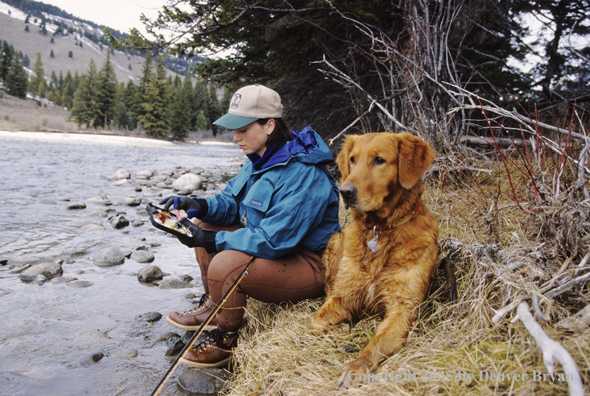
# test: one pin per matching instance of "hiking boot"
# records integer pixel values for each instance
(191, 320)
(214, 351)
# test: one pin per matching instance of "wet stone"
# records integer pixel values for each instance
(47, 270)
(150, 274)
(79, 284)
(131, 201)
(207, 381)
(119, 222)
(76, 205)
(73, 252)
(142, 256)
(124, 354)
(62, 280)
(174, 284)
(149, 317)
(40, 279)
(108, 256)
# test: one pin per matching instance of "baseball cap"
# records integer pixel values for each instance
(249, 104)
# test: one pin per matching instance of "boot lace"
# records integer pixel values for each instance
(215, 337)
(204, 298)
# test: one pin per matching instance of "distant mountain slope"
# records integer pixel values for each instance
(68, 33)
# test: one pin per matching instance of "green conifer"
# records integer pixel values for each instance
(155, 103)
(16, 80)
(84, 108)
(106, 91)
(5, 60)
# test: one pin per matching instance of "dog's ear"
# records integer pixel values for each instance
(415, 156)
(343, 158)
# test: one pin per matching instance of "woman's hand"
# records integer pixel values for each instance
(191, 206)
(201, 238)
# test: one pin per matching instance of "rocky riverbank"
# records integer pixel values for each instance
(117, 241)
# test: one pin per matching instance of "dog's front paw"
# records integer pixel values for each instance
(357, 373)
(318, 326)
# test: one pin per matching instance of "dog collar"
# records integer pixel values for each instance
(400, 222)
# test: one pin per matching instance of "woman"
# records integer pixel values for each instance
(281, 208)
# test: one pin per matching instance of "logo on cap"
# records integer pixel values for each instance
(235, 102)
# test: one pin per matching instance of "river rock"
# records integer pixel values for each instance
(188, 182)
(160, 178)
(92, 227)
(62, 279)
(103, 200)
(48, 270)
(149, 317)
(120, 182)
(147, 173)
(142, 256)
(121, 174)
(79, 284)
(150, 274)
(124, 354)
(108, 256)
(73, 252)
(206, 381)
(132, 201)
(174, 284)
(40, 279)
(76, 205)
(119, 222)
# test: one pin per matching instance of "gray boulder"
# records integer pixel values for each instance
(47, 270)
(150, 274)
(142, 256)
(108, 257)
(121, 174)
(188, 182)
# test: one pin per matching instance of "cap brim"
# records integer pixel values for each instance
(232, 121)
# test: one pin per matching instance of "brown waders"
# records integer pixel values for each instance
(293, 277)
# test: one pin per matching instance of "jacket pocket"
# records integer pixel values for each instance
(257, 202)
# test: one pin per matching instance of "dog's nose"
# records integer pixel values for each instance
(348, 192)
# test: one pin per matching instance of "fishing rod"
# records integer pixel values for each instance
(195, 336)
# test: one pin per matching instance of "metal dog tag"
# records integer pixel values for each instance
(372, 244)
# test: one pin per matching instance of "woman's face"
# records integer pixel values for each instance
(252, 138)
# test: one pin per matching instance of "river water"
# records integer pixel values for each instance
(49, 332)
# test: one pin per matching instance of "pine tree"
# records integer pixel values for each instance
(16, 80)
(106, 91)
(5, 60)
(200, 104)
(38, 85)
(181, 120)
(155, 103)
(84, 108)
(51, 55)
(69, 90)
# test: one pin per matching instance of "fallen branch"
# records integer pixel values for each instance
(567, 285)
(551, 350)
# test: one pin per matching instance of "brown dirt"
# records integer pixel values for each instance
(31, 115)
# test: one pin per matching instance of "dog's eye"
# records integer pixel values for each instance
(378, 161)
(352, 160)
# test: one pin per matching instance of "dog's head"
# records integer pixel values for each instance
(377, 166)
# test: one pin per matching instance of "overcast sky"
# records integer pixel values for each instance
(118, 14)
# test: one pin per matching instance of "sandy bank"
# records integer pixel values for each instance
(83, 138)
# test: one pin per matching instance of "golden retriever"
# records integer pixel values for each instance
(385, 258)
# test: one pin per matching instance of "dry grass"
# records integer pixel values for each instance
(501, 252)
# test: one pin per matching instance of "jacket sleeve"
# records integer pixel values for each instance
(297, 204)
(223, 209)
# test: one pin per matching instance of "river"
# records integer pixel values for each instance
(49, 332)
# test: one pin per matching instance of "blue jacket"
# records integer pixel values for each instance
(290, 205)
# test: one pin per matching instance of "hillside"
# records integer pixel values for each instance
(12, 29)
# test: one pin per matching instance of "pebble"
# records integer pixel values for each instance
(73, 252)
(76, 205)
(119, 222)
(124, 354)
(62, 279)
(149, 317)
(189, 182)
(121, 174)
